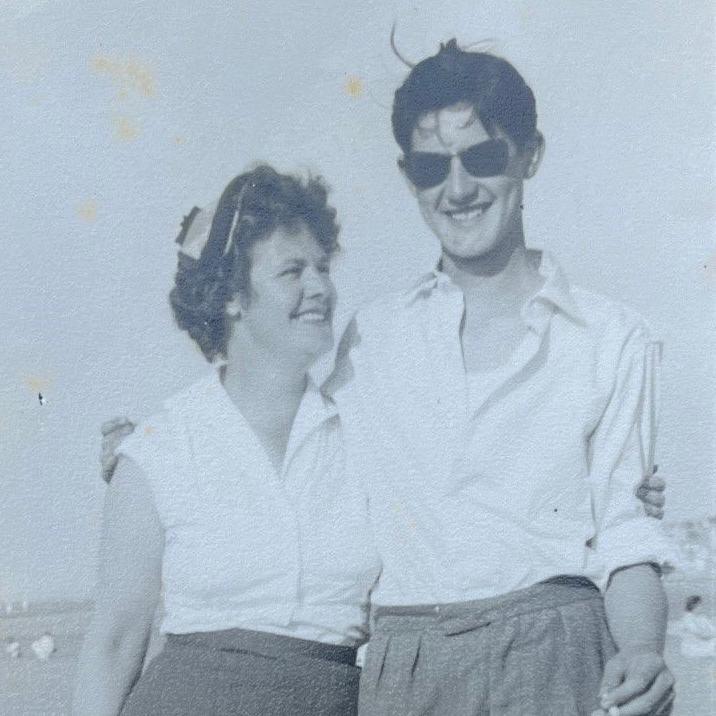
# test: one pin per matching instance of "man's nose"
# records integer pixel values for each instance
(460, 184)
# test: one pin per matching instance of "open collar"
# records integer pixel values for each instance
(555, 291)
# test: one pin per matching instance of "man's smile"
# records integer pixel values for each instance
(466, 214)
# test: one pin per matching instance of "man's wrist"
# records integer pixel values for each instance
(641, 647)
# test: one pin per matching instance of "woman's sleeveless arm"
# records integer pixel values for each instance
(127, 593)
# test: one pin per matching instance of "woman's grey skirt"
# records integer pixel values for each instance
(246, 673)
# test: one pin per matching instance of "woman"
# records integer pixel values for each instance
(232, 498)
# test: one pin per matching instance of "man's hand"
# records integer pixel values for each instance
(113, 432)
(651, 492)
(636, 684)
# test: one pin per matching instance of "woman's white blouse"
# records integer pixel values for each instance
(245, 547)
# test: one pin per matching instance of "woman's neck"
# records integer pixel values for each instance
(248, 378)
(268, 393)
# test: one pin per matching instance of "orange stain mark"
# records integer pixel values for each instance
(149, 430)
(125, 129)
(87, 210)
(141, 79)
(354, 87)
(179, 140)
(129, 76)
(37, 384)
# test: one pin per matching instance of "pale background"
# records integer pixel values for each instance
(120, 116)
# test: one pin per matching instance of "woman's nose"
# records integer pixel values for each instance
(315, 282)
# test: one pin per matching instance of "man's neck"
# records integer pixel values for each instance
(497, 283)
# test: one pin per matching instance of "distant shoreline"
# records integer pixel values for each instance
(674, 580)
(49, 608)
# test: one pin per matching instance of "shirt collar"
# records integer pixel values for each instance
(315, 408)
(555, 291)
(210, 407)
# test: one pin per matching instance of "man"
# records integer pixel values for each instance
(502, 420)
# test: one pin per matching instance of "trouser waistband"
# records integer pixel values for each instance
(264, 643)
(456, 617)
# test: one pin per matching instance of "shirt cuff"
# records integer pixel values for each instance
(631, 542)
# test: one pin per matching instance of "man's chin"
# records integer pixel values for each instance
(465, 248)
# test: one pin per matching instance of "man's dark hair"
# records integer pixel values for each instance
(251, 208)
(495, 89)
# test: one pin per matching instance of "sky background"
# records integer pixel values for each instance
(120, 116)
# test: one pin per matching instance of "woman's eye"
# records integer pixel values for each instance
(293, 271)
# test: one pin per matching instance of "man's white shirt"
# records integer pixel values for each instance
(474, 495)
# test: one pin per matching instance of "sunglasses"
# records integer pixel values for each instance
(428, 169)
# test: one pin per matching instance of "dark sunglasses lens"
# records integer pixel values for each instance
(487, 159)
(426, 170)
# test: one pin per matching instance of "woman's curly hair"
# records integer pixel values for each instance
(251, 208)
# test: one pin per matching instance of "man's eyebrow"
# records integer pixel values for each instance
(427, 125)
(288, 260)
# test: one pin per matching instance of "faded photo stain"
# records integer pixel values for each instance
(87, 210)
(133, 82)
(125, 129)
(37, 384)
(354, 86)
(129, 76)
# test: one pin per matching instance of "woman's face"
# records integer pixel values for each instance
(289, 311)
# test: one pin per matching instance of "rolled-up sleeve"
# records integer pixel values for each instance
(621, 451)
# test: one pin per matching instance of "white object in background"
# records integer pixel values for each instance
(12, 648)
(698, 635)
(43, 647)
(25, 605)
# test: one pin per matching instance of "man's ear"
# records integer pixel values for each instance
(401, 166)
(535, 150)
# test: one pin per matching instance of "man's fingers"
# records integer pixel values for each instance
(652, 511)
(656, 483)
(667, 706)
(636, 684)
(613, 675)
(656, 699)
(110, 441)
(113, 432)
(110, 426)
(650, 486)
(108, 467)
(655, 498)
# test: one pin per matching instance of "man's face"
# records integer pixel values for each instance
(470, 215)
